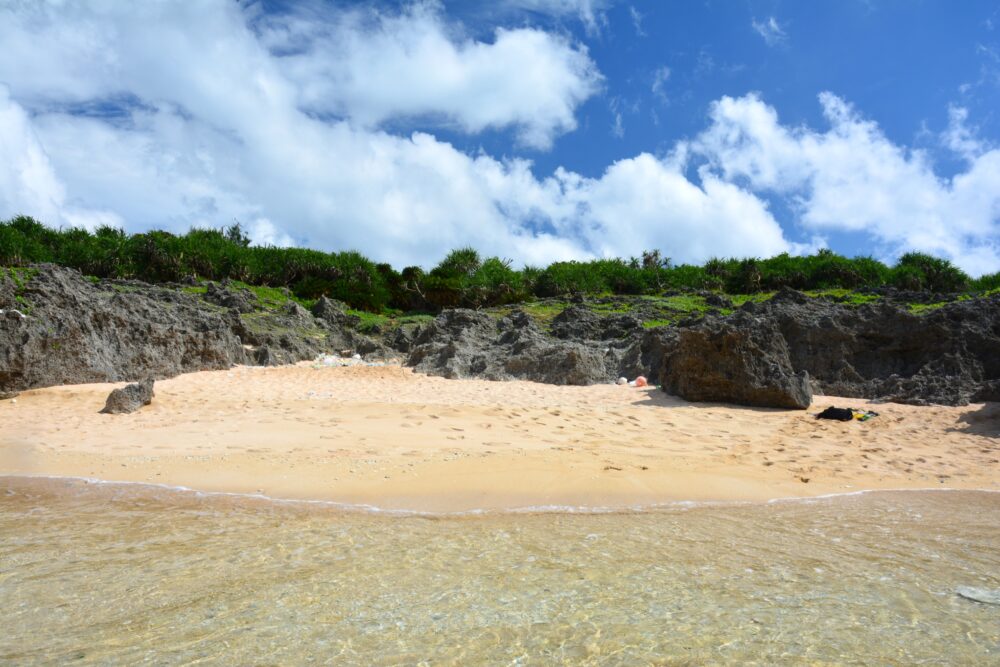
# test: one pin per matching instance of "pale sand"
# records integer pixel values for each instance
(387, 437)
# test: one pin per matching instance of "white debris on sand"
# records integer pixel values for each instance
(335, 360)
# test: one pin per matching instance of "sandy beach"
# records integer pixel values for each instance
(386, 437)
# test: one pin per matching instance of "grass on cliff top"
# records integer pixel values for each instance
(269, 298)
(922, 308)
(374, 322)
(844, 296)
(266, 322)
(664, 310)
(273, 299)
(542, 312)
(654, 309)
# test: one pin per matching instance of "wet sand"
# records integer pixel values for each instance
(386, 437)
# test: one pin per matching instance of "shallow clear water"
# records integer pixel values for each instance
(97, 574)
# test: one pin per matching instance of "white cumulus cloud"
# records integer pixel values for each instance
(852, 178)
(174, 114)
(372, 67)
(645, 202)
(28, 183)
(199, 115)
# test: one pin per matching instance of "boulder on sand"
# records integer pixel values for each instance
(742, 360)
(129, 398)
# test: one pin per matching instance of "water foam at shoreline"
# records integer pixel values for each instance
(366, 508)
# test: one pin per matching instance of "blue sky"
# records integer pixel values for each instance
(532, 129)
(901, 63)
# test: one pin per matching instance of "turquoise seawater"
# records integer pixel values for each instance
(108, 574)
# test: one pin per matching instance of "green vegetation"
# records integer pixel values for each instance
(20, 276)
(265, 322)
(372, 323)
(844, 296)
(382, 294)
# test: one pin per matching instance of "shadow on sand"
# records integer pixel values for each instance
(984, 421)
(657, 398)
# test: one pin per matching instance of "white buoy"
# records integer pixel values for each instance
(622, 381)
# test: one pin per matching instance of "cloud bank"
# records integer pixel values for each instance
(372, 67)
(171, 115)
(852, 178)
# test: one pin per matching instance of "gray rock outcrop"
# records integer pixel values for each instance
(580, 324)
(61, 328)
(341, 329)
(773, 354)
(240, 300)
(77, 331)
(877, 351)
(947, 356)
(334, 313)
(129, 398)
(647, 352)
(57, 327)
(464, 343)
(741, 360)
